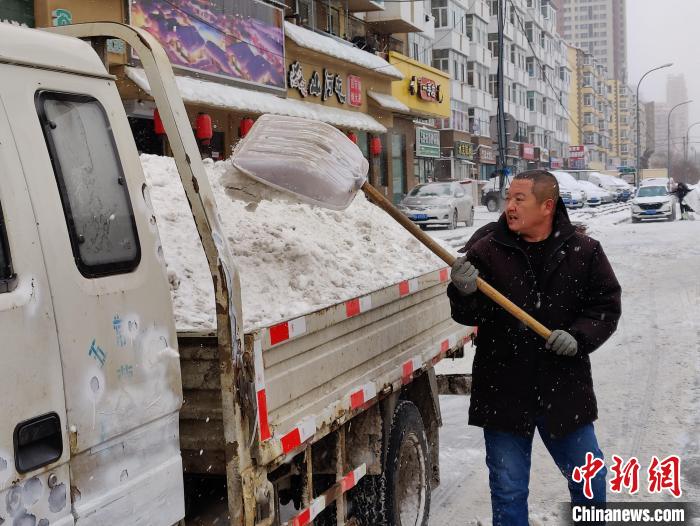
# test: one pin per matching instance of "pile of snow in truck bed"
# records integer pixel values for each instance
(293, 258)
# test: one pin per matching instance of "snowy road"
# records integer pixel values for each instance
(647, 376)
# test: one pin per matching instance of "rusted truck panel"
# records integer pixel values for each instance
(318, 370)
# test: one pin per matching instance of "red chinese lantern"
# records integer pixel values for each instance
(353, 137)
(158, 127)
(375, 146)
(246, 125)
(204, 128)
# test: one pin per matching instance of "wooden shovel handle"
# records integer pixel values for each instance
(378, 198)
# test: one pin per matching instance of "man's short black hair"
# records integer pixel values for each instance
(545, 185)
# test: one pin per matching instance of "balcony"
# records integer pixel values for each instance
(479, 54)
(360, 6)
(455, 40)
(508, 29)
(402, 17)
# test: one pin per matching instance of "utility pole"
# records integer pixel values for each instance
(500, 113)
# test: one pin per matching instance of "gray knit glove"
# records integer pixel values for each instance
(464, 276)
(562, 343)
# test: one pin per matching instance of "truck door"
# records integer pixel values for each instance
(110, 295)
(34, 453)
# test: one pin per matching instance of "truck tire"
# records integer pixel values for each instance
(492, 204)
(401, 495)
(453, 221)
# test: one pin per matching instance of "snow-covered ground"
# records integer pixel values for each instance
(647, 376)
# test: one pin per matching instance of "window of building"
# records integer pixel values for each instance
(440, 13)
(91, 184)
(531, 100)
(530, 66)
(587, 118)
(587, 99)
(441, 59)
(587, 79)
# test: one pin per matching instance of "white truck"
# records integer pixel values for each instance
(109, 415)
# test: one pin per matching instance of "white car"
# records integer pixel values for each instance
(653, 202)
(596, 195)
(572, 193)
(620, 190)
(438, 203)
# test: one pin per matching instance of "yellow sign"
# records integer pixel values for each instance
(425, 90)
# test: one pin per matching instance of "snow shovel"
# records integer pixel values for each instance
(320, 165)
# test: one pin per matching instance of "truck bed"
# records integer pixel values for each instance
(318, 370)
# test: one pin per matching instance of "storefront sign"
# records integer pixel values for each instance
(577, 152)
(236, 39)
(354, 90)
(555, 162)
(427, 89)
(486, 155)
(577, 164)
(325, 87)
(464, 150)
(427, 143)
(527, 151)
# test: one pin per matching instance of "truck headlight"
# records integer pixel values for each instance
(666, 206)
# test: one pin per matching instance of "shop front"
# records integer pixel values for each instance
(458, 156)
(542, 158)
(485, 158)
(18, 12)
(424, 93)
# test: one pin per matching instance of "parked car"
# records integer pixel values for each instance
(492, 195)
(596, 195)
(438, 203)
(653, 202)
(572, 193)
(617, 187)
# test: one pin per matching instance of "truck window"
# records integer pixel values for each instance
(6, 273)
(91, 183)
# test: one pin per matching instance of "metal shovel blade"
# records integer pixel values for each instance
(309, 159)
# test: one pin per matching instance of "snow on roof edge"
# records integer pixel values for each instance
(388, 101)
(230, 97)
(328, 46)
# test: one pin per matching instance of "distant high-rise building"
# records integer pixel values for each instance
(677, 92)
(598, 27)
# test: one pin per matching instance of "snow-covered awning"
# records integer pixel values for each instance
(217, 95)
(346, 52)
(388, 102)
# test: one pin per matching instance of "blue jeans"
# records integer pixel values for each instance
(508, 459)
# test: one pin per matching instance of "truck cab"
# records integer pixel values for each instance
(92, 387)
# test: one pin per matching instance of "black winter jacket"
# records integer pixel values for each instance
(515, 379)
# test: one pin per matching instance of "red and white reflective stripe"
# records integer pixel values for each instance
(286, 330)
(350, 480)
(408, 287)
(357, 306)
(444, 276)
(410, 367)
(300, 434)
(363, 395)
(263, 421)
(310, 513)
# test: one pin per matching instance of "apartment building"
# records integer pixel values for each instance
(594, 110)
(599, 27)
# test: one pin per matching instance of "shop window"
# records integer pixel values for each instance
(91, 183)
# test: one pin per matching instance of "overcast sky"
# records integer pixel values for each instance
(661, 31)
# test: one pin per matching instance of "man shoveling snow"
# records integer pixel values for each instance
(520, 381)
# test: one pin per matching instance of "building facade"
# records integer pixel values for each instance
(599, 27)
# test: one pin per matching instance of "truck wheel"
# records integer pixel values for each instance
(401, 495)
(492, 204)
